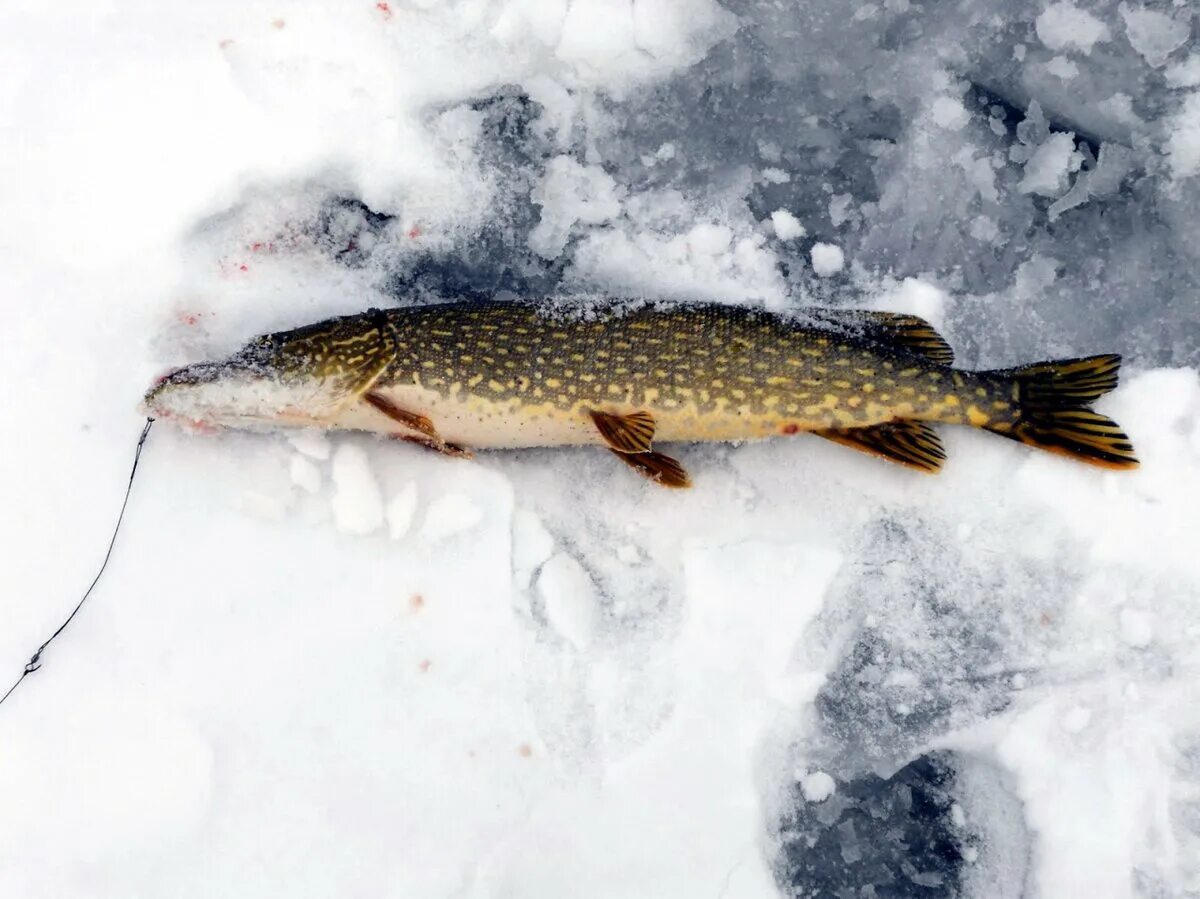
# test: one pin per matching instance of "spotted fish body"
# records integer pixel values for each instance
(503, 375)
(508, 374)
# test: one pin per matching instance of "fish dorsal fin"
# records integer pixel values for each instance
(911, 332)
(631, 433)
(910, 443)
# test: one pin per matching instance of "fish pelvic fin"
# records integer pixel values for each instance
(1053, 410)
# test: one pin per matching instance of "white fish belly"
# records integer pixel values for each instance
(474, 422)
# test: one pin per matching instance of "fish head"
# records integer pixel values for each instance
(297, 378)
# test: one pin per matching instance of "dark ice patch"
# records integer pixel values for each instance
(944, 825)
(884, 838)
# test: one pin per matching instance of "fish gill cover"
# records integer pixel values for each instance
(325, 665)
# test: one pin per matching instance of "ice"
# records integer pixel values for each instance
(450, 515)
(1049, 168)
(817, 786)
(357, 503)
(787, 226)
(1062, 25)
(1183, 146)
(1153, 34)
(1185, 73)
(948, 112)
(534, 674)
(1062, 67)
(1137, 628)
(313, 444)
(305, 474)
(401, 509)
(570, 193)
(827, 259)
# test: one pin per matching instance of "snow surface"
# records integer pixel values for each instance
(335, 665)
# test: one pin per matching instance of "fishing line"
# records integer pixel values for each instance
(35, 661)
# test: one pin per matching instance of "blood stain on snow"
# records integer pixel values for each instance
(278, 23)
(424, 666)
(243, 267)
(414, 233)
(384, 9)
(524, 750)
(416, 602)
(224, 43)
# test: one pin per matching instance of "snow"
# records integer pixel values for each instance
(305, 474)
(786, 225)
(450, 515)
(827, 259)
(1064, 25)
(401, 509)
(1183, 145)
(324, 665)
(357, 503)
(817, 786)
(1154, 34)
(1048, 169)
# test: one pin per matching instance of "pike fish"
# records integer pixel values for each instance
(497, 374)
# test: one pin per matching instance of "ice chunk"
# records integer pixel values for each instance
(1183, 146)
(787, 226)
(569, 193)
(1114, 164)
(1136, 629)
(1153, 34)
(570, 598)
(1185, 73)
(709, 239)
(1062, 67)
(357, 502)
(949, 113)
(827, 259)
(305, 473)
(400, 510)
(532, 545)
(1048, 169)
(314, 444)
(1064, 25)
(1076, 719)
(450, 515)
(817, 786)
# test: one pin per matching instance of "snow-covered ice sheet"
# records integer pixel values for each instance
(330, 665)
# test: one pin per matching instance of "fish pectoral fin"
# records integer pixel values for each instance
(630, 433)
(656, 467)
(910, 443)
(411, 420)
(426, 434)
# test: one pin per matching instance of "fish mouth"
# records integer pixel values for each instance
(163, 397)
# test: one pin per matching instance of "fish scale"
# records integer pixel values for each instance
(704, 363)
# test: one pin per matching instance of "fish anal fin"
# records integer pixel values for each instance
(656, 467)
(910, 332)
(910, 443)
(628, 433)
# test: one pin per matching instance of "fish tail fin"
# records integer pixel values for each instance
(1054, 410)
